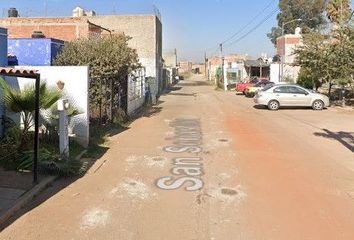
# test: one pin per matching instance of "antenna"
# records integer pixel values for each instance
(114, 9)
(45, 8)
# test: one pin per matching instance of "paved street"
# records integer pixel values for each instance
(208, 165)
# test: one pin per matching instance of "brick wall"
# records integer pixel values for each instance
(66, 29)
(283, 44)
(185, 67)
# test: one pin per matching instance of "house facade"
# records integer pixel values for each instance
(33, 51)
(285, 49)
(145, 32)
(146, 37)
(185, 67)
(233, 71)
(170, 67)
(65, 28)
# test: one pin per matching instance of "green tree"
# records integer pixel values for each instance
(339, 11)
(110, 60)
(328, 58)
(309, 11)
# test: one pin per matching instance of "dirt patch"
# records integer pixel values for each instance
(228, 195)
(228, 191)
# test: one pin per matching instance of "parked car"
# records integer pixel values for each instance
(241, 87)
(290, 95)
(252, 90)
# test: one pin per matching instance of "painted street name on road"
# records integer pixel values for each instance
(188, 167)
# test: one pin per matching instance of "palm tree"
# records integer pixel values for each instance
(23, 102)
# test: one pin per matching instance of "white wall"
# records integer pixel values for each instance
(275, 69)
(76, 87)
(289, 71)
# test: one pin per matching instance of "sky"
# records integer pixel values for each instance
(193, 27)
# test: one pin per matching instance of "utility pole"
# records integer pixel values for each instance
(114, 9)
(45, 8)
(205, 64)
(222, 67)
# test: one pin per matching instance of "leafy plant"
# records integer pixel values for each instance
(9, 145)
(339, 11)
(26, 160)
(330, 59)
(308, 79)
(23, 102)
(49, 163)
(50, 132)
(110, 61)
(311, 14)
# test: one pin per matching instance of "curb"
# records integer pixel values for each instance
(26, 198)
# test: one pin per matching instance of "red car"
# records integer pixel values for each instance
(241, 87)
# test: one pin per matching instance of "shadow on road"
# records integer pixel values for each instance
(184, 94)
(285, 108)
(99, 135)
(148, 111)
(171, 89)
(345, 138)
(194, 83)
(260, 107)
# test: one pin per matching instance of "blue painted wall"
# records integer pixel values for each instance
(3, 47)
(34, 51)
(3, 63)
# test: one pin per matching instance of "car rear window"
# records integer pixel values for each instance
(268, 86)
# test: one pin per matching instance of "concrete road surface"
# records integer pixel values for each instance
(208, 165)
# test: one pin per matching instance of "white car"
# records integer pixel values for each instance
(290, 95)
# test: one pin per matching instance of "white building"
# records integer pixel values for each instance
(285, 48)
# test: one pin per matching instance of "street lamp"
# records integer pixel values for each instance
(282, 33)
(291, 21)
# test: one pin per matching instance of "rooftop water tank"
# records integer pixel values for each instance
(78, 12)
(12, 12)
(37, 34)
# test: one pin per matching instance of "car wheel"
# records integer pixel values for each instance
(317, 105)
(273, 105)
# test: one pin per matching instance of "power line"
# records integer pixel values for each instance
(244, 27)
(250, 22)
(255, 27)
